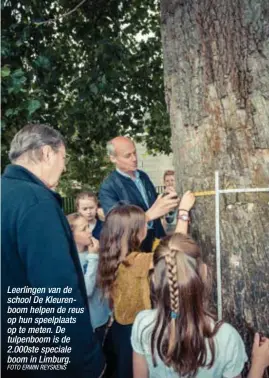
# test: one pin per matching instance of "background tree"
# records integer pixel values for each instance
(217, 92)
(92, 69)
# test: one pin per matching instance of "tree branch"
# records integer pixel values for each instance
(63, 15)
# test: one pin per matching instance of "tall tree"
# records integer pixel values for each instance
(216, 60)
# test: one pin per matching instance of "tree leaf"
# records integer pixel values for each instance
(86, 75)
(42, 62)
(9, 112)
(33, 106)
(5, 71)
(94, 89)
(18, 73)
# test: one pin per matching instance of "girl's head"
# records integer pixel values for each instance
(123, 231)
(180, 293)
(80, 229)
(87, 205)
(169, 179)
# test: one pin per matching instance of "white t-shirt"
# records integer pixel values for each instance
(230, 355)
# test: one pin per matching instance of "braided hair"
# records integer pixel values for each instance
(183, 323)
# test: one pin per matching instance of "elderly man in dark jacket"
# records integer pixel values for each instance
(133, 186)
(38, 254)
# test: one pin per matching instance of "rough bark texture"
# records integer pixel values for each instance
(216, 69)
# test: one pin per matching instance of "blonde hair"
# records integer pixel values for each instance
(168, 173)
(72, 218)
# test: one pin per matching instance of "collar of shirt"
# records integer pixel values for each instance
(137, 175)
(138, 183)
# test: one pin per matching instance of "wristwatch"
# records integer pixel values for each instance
(184, 217)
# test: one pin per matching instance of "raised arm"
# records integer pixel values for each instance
(185, 205)
(260, 357)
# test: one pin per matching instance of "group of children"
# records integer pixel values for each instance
(149, 310)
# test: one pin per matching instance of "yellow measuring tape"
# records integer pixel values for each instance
(206, 193)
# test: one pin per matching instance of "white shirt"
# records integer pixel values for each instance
(230, 355)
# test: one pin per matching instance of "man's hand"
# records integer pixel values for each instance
(162, 205)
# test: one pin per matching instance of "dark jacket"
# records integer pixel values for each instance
(117, 187)
(97, 229)
(38, 250)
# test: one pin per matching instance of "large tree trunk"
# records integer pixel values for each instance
(216, 70)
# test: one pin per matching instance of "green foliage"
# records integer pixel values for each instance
(92, 74)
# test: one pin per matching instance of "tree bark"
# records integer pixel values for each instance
(216, 72)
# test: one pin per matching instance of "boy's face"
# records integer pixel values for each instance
(87, 208)
(81, 232)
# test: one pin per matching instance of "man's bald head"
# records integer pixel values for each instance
(117, 143)
(122, 153)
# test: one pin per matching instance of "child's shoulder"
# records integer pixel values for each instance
(142, 330)
(230, 348)
(99, 222)
(140, 263)
(227, 334)
(227, 329)
(145, 317)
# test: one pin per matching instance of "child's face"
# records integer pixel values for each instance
(81, 232)
(170, 181)
(87, 208)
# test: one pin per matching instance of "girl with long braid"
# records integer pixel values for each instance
(180, 337)
(124, 272)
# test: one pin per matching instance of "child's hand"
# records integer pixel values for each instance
(93, 247)
(260, 352)
(187, 201)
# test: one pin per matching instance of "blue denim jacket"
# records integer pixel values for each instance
(98, 306)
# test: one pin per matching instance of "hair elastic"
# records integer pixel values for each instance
(174, 315)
